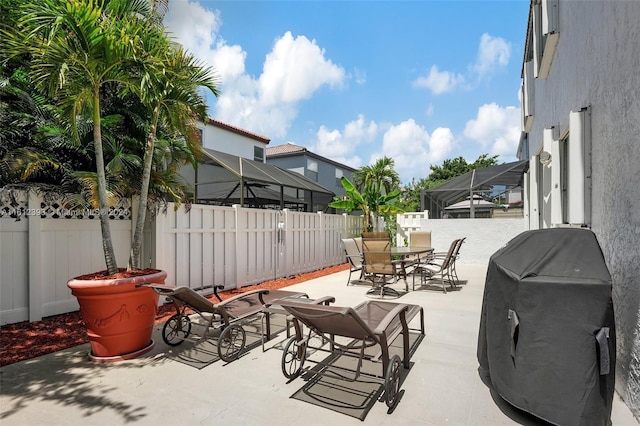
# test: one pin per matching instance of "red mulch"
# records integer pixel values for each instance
(26, 340)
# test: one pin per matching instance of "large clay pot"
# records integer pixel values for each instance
(118, 315)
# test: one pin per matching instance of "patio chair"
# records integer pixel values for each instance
(421, 239)
(452, 267)
(439, 267)
(350, 332)
(380, 235)
(379, 267)
(221, 320)
(354, 256)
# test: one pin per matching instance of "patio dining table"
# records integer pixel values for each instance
(409, 256)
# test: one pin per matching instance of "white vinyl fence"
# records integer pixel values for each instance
(42, 246)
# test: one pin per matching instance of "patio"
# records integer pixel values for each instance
(442, 387)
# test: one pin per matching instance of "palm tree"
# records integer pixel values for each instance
(380, 175)
(75, 49)
(172, 96)
(35, 149)
(81, 49)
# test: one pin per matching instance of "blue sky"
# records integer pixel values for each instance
(417, 81)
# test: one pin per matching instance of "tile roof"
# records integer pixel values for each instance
(238, 130)
(286, 148)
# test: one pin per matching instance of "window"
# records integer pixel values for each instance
(564, 175)
(312, 169)
(527, 91)
(258, 153)
(545, 34)
(523, 146)
(201, 136)
(579, 168)
(533, 193)
(552, 147)
(339, 176)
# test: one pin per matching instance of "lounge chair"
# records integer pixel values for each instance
(221, 319)
(349, 332)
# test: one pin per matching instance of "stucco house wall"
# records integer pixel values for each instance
(233, 140)
(295, 158)
(597, 65)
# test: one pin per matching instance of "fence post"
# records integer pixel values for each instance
(323, 239)
(35, 253)
(287, 229)
(241, 244)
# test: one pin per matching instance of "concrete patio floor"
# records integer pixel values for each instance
(442, 388)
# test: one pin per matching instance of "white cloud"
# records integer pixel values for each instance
(439, 81)
(496, 129)
(194, 27)
(493, 54)
(293, 71)
(413, 149)
(343, 146)
(359, 76)
(440, 145)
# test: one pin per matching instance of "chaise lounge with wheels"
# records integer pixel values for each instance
(222, 321)
(364, 332)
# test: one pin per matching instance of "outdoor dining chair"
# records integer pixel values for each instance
(379, 235)
(379, 267)
(354, 257)
(421, 239)
(440, 267)
(452, 267)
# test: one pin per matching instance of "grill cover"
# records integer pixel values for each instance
(547, 332)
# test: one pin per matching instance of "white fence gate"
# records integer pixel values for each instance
(236, 247)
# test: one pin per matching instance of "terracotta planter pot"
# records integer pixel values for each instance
(119, 317)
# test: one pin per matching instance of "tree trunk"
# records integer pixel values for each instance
(136, 244)
(103, 213)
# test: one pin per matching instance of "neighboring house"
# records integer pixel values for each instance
(322, 170)
(224, 137)
(482, 208)
(581, 133)
(232, 170)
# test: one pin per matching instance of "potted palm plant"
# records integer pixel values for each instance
(76, 49)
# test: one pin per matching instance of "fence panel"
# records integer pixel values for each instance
(333, 228)
(302, 242)
(14, 270)
(407, 222)
(256, 244)
(352, 226)
(199, 247)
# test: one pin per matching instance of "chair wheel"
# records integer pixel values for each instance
(231, 342)
(293, 358)
(176, 329)
(392, 382)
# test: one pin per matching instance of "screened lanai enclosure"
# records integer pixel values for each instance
(225, 180)
(487, 183)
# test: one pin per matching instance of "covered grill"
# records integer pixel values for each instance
(547, 332)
